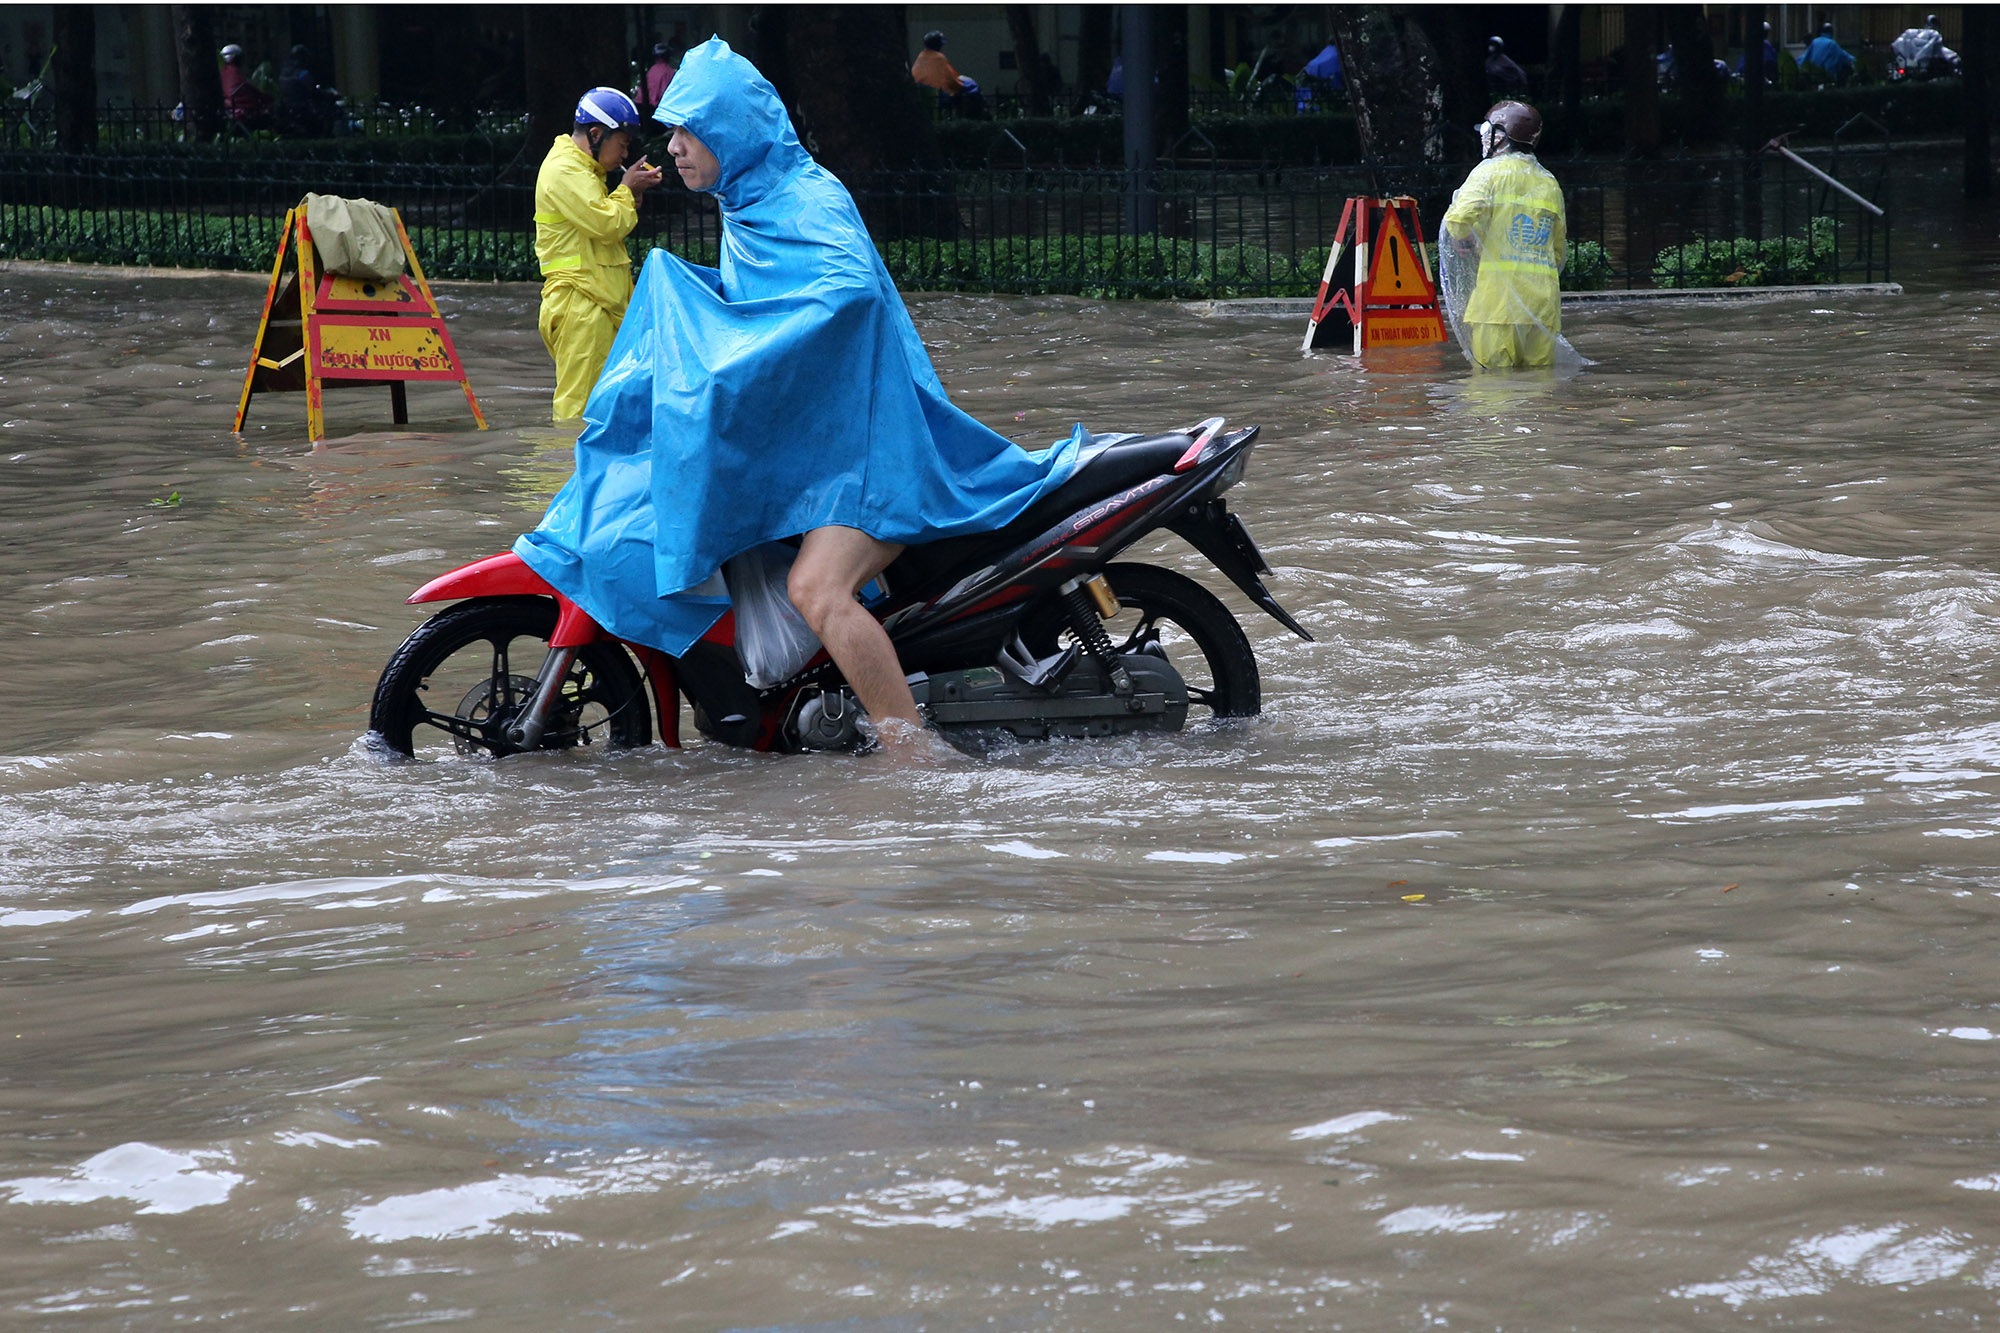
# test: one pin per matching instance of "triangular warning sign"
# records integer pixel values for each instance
(1397, 306)
(1397, 276)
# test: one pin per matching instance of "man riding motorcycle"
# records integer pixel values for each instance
(783, 394)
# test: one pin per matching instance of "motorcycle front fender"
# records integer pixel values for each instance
(507, 575)
(503, 575)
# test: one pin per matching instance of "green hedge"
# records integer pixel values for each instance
(1586, 267)
(1743, 262)
(1100, 267)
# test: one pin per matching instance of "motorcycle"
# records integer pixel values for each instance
(1919, 55)
(1030, 632)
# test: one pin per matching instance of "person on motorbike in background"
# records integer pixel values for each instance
(1504, 78)
(783, 394)
(1921, 52)
(242, 100)
(1502, 248)
(580, 230)
(1829, 56)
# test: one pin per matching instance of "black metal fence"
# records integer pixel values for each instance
(1186, 231)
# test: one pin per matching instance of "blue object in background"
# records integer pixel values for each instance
(783, 391)
(1326, 68)
(1830, 56)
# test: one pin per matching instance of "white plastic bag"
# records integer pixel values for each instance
(772, 638)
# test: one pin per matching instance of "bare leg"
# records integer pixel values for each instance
(832, 565)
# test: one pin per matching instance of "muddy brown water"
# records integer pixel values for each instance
(1595, 931)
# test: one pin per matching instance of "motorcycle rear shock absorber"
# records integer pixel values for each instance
(1086, 620)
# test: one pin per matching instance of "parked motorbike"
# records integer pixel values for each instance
(1030, 631)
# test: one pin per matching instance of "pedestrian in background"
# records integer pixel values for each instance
(652, 86)
(1502, 248)
(580, 231)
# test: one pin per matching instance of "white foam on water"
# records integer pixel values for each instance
(1754, 808)
(458, 1211)
(158, 1179)
(1439, 1219)
(1814, 1265)
(1346, 1124)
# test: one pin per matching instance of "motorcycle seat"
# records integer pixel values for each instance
(1111, 469)
(1104, 471)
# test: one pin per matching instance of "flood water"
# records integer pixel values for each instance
(1595, 931)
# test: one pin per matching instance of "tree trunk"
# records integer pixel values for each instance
(1093, 52)
(1170, 62)
(1142, 149)
(1699, 88)
(1569, 60)
(1642, 89)
(194, 60)
(1976, 41)
(1392, 83)
(850, 95)
(75, 73)
(565, 58)
(1459, 39)
(1753, 120)
(1028, 57)
(841, 74)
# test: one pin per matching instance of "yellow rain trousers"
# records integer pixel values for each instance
(1511, 210)
(580, 232)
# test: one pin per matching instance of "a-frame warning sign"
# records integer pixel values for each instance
(1377, 290)
(321, 330)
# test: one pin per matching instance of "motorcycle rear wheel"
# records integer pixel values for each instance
(1170, 616)
(455, 685)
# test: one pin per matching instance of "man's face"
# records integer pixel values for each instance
(612, 149)
(698, 168)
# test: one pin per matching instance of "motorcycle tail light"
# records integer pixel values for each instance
(1233, 473)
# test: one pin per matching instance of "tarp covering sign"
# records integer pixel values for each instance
(357, 238)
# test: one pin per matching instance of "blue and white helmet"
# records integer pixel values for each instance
(610, 108)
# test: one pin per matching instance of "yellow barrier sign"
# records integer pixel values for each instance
(327, 329)
(358, 347)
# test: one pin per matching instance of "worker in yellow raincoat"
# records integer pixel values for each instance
(1501, 253)
(580, 231)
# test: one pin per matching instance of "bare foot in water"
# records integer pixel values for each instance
(905, 742)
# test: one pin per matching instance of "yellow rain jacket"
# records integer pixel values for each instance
(580, 231)
(1510, 211)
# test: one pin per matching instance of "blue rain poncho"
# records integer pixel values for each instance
(784, 391)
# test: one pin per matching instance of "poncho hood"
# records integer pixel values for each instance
(722, 100)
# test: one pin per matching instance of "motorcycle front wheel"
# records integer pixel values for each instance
(458, 682)
(1169, 616)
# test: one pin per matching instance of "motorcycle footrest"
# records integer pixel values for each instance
(1047, 673)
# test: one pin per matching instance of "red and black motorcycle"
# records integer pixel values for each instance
(1028, 631)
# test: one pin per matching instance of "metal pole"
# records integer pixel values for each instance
(1775, 147)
